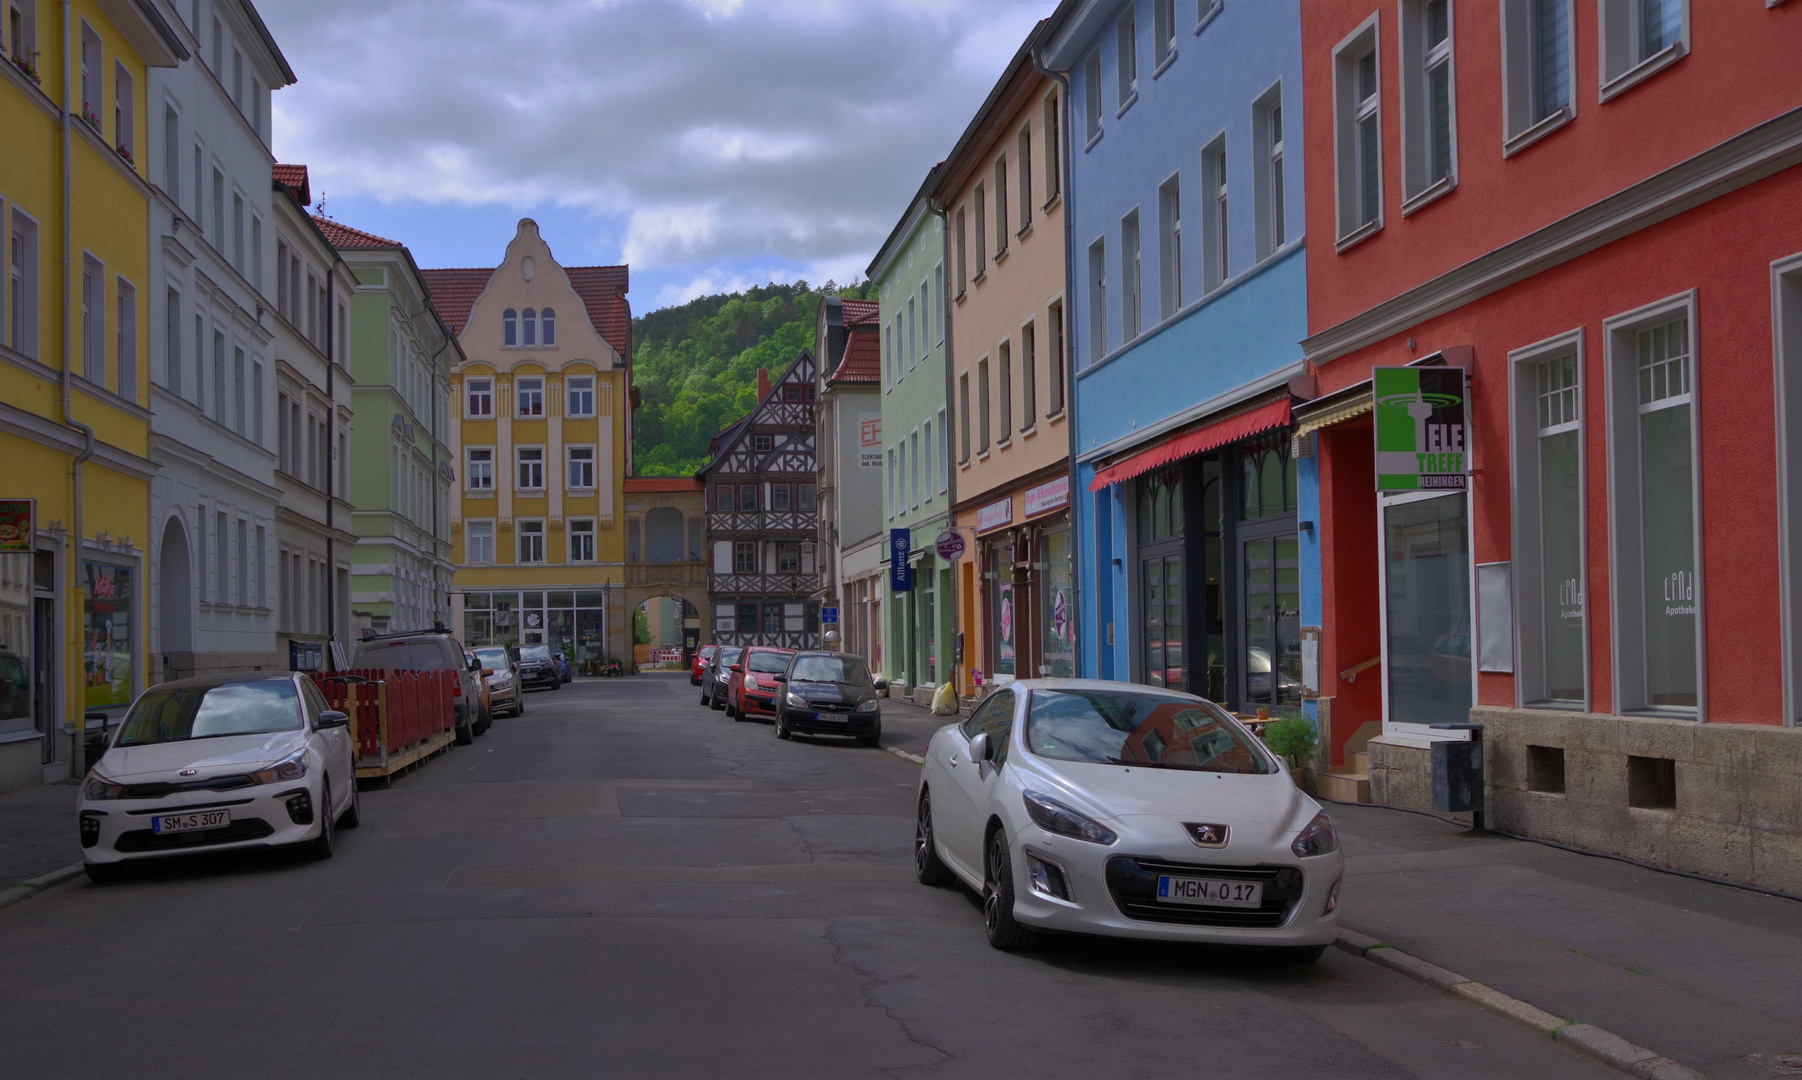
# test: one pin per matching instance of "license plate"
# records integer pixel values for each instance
(836, 717)
(193, 820)
(1210, 892)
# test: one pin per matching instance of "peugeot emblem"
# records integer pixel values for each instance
(1206, 835)
(189, 772)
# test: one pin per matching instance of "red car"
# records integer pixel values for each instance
(701, 658)
(753, 689)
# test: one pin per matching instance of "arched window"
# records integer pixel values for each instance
(531, 321)
(549, 318)
(510, 327)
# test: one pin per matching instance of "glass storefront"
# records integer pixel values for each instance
(107, 646)
(1002, 613)
(15, 641)
(1160, 501)
(1270, 561)
(572, 622)
(1426, 584)
(1667, 499)
(1561, 529)
(1058, 606)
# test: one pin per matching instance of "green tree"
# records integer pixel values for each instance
(641, 627)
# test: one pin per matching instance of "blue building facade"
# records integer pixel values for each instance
(1187, 305)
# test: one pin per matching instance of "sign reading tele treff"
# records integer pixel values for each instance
(1423, 442)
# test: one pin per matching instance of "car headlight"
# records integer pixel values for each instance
(751, 682)
(1319, 838)
(1054, 816)
(868, 706)
(99, 787)
(797, 701)
(292, 767)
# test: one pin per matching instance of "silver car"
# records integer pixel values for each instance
(503, 680)
(717, 678)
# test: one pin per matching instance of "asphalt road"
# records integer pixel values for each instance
(623, 884)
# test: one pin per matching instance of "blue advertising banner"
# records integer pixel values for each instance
(900, 575)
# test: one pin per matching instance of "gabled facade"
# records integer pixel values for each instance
(75, 376)
(542, 440)
(762, 522)
(849, 421)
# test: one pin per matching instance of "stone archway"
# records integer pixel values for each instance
(175, 601)
(684, 584)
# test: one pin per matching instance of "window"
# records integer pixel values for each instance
(256, 408)
(1267, 191)
(804, 498)
(93, 321)
(581, 540)
(963, 266)
(241, 425)
(531, 396)
(1640, 37)
(581, 467)
(982, 228)
(893, 486)
(963, 418)
(1536, 92)
(199, 209)
(548, 320)
(1548, 565)
(1163, 24)
(218, 229)
(21, 30)
(788, 561)
(171, 152)
(1358, 142)
(925, 318)
(1131, 279)
(1029, 378)
(1004, 356)
(1091, 83)
(982, 405)
(238, 234)
(747, 498)
(22, 283)
(1215, 262)
(1054, 359)
(531, 541)
(901, 476)
(581, 394)
(763, 444)
(1054, 139)
(480, 541)
(944, 454)
(528, 325)
(1000, 206)
(219, 376)
(125, 347)
(172, 341)
(238, 79)
(913, 461)
(928, 472)
(1024, 159)
(531, 467)
(912, 340)
(1657, 596)
(1126, 39)
(90, 75)
(510, 327)
(938, 302)
(1170, 247)
(1205, 10)
(779, 496)
(744, 556)
(1097, 300)
(125, 124)
(1429, 113)
(480, 398)
(772, 618)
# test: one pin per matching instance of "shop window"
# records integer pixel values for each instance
(1160, 559)
(1548, 565)
(1268, 483)
(1426, 581)
(1002, 616)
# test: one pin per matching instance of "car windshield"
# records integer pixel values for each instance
(533, 652)
(834, 669)
(493, 657)
(206, 712)
(728, 656)
(769, 663)
(707, 652)
(402, 656)
(1123, 727)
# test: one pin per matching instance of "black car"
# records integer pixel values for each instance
(829, 693)
(537, 667)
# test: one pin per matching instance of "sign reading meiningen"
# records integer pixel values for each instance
(900, 575)
(1423, 441)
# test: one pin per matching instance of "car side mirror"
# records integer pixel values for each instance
(740, 668)
(979, 747)
(782, 678)
(475, 665)
(332, 718)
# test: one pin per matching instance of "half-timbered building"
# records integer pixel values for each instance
(763, 578)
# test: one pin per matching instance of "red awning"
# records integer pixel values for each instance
(1218, 433)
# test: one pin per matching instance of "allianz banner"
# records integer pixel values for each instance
(1423, 441)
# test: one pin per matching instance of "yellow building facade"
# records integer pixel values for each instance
(542, 440)
(74, 372)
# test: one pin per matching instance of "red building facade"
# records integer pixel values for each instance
(1594, 207)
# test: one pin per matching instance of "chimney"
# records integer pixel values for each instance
(763, 383)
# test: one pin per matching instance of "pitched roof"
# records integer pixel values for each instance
(343, 236)
(602, 289)
(862, 361)
(293, 178)
(860, 311)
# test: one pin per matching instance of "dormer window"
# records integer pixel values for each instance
(530, 326)
(549, 319)
(510, 327)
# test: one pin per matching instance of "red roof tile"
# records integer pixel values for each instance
(454, 292)
(343, 236)
(860, 312)
(862, 361)
(294, 178)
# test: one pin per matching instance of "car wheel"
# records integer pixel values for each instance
(465, 733)
(485, 722)
(353, 816)
(719, 702)
(519, 704)
(322, 845)
(557, 684)
(1296, 954)
(929, 869)
(104, 873)
(704, 698)
(998, 898)
(782, 731)
(874, 738)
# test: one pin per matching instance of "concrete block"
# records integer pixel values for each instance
(1415, 968)
(1512, 1008)
(1647, 736)
(1777, 861)
(1728, 745)
(1775, 750)
(1401, 775)
(1532, 813)
(1598, 776)
(1353, 942)
(1618, 1052)
(1706, 847)
(1712, 792)
(1593, 733)
(1505, 764)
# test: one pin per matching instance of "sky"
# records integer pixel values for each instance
(710, 144)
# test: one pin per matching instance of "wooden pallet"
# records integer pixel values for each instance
(398, 761)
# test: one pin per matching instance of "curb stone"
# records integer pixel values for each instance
(904, 755)
(1605, 1046)
(24, 890)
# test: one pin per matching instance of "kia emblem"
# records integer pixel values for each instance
(1206, 835)
(189, 772)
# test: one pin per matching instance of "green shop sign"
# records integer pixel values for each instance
(1423, 443)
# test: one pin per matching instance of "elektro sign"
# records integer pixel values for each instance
(1423, 441)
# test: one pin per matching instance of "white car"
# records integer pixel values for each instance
(1125, 810)
(216, 763)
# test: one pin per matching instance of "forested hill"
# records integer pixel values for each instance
(695, 366)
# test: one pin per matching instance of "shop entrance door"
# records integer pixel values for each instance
(1426, 610)
(43, 673)
(1272, 621)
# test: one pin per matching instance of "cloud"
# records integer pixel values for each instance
(787, 133)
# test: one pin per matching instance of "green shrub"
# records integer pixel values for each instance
(1293, 737)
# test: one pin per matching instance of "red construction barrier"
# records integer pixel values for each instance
(393, 713)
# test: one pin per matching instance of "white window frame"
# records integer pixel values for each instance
(520, 463)
(1132, 278)
(1097, 275)
(1170, 246)
(1525, 119)
(125, 338)
(478, 390)
(944, 453)
(526, 529)
(581, 529)
(1527, 499)
(1786, 333)
(913, 472)
(892, 480)
(22, 281)
(1350, 111)
(125, 111)
(1624, 62)
(471, 532)
(93, 319)
(1001, 230)
(1163, 35)
(572, 463)
(1216, 224)
(1627, 627)
(1029, 376)
(1270, 195)
(574, 385)
(1092, 106)
(529, 387)
(1126, 58)
(1419, 61)
(938, 301)
(1004, 390)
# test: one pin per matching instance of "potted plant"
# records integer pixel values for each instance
(30, 71)
(87, 114)
(1293, 738)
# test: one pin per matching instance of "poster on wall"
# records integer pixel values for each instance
(1422, 438)
(106, 635)
(15, 524)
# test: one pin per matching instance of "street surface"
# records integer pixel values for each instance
(624, 884)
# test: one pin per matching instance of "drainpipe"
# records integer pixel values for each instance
(943, 214)
(1076, 545)
(331, 403)
(78, 753)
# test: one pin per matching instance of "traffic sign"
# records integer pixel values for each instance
(828, 614)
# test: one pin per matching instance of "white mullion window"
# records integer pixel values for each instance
(1550, 546)
(1170, 247)
(1268, 195)
(581, 540)
(1163, 22)
(1429, 110)
(480, 399)
(581, 467)
(1358, 134)
(1126, 40)
(1091, 85)
(1097, 300)
(479, 545)
(531, 541)
(1132, 279)
(1216, 265)
(531, 467)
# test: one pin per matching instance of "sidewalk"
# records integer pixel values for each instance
(1704, 974)
(37, 832)
(910, 727)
